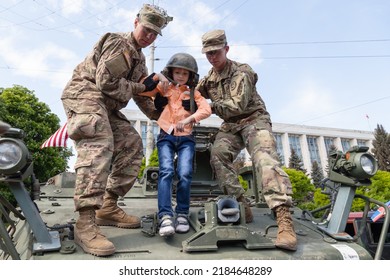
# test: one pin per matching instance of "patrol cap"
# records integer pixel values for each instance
(213, 40)
(153, 17)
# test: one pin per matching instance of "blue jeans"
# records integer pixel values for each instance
(167, 146)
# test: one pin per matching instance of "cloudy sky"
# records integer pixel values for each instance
(320, 62)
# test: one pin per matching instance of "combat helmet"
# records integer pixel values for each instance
(185, 61)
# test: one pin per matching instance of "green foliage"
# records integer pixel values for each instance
(302, 188)
(381, 148)
(243, 183)
(380, 186)
(378, 190)
(141, 170)
(316, 174)
(20, 108)
(153, 160)
(295, 162)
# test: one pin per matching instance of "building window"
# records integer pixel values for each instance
(279, 147)
(156, 131)
(295, 144)
(144, 130)
(361, 142)
(329, 142)
(345, 144)
(313, 149)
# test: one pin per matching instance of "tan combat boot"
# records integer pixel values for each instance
(111, 215)
(88, 236)
(286, 238)
(248, 211)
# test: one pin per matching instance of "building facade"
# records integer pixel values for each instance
(311, 143)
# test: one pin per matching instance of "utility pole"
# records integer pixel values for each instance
(149, 128)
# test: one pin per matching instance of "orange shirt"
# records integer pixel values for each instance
(174, 110)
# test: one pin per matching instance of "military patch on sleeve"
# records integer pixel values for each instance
(117, 65)
(237, 83)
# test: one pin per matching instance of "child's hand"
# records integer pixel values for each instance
(181, 124)
(164, 82)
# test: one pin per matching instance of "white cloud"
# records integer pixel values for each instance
(71, 7)
(48, 62)
(77, 32)
(245, 53)
(309, 101)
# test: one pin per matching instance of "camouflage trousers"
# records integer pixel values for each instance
(261, 146)
(109, 151)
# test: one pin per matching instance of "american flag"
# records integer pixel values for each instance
(58, 139)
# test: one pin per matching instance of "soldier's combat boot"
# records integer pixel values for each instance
(286, 238)
(112, 215)
(248, 211)
(89, 237)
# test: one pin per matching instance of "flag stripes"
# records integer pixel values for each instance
(58, 139)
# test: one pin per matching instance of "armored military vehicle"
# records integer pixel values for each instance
(41, 227)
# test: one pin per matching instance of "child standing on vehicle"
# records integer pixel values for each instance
(178, 78)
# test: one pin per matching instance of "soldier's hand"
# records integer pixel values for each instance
(187, 105)
(151, 82)
(160, 102)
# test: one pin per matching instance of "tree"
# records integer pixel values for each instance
(302, 188)
(378, 190)
(381, 148)
(316, 174)
(295, 162)
(153, 162)
(21, 109)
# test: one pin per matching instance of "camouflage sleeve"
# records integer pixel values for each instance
(202, 89)
(146, 105)
(114, 63)
(204, 109)
(240, 94)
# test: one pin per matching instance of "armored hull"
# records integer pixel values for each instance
(42, 229)
(227, 242)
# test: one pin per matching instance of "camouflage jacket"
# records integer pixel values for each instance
(234, 96)
(111, 74)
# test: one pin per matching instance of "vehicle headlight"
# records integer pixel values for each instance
(354, 168)
(14, 155)
(368, 165)
(362, 165)
(359, 164)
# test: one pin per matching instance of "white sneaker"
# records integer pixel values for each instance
(182, 225)
(166, 226)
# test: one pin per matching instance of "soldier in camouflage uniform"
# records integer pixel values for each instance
(231, 87)
(109, 149)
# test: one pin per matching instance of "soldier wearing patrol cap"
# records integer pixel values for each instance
(109, 149)
(231, 87)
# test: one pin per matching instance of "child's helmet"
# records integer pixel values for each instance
(185, 61)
